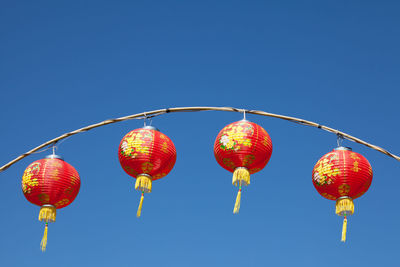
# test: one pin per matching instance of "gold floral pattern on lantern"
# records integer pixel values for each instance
(62, 202)
(131, 171)
(248, 160)
(27, 181)
(229, 163)
(69, 191)
(344, 189)
(44, 198)
(235, 135)
(136, 143)
(325, 171)
(354, 156)
(356, 168)
(75, 180)
(267, 140)
(164, 147)
(147, 167)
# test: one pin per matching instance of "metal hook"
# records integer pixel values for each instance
(145, 118)
(339, 139)
(244, 114)
(54, 147)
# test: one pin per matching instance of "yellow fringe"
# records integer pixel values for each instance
(344, 206)
(344, 230)
(143, 183)
(237, 203)
(47, 213)
(241, 176)
(43, 244)
(139, 211)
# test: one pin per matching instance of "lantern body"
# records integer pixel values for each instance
(342, 173)
(243, 148)
(243, 144)
(51, 181)
(147, 155)
(147, 151)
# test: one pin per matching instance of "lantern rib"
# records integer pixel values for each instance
(154, 113)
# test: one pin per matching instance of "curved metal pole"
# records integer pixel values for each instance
(154, 113)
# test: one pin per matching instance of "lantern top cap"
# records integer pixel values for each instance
(54, 156)
(343, 148)
(149, 127)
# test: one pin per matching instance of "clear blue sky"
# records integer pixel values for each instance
(67, 64)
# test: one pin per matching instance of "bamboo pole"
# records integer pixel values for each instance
(154, 113)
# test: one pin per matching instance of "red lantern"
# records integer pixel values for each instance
(147, 155)
(243, 148)
(52, 184)
(342, 175)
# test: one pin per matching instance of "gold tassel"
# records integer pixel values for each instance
(143, 183)
(43, 244)
(47, 213)
(241, 176)
(237, 203)
(344, 205)
(139, 211)
(344, 229)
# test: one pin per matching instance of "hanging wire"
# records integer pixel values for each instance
(154, 113)
(43, 150)
(52, 146)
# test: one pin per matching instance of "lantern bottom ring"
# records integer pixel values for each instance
(49, 205)
(344, 197)
(145, 174)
